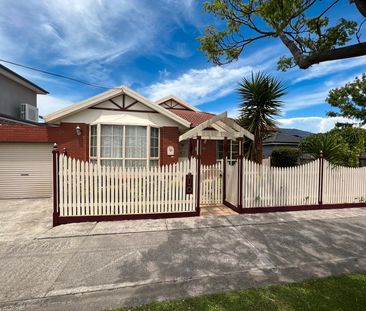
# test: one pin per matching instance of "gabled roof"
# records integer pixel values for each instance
(92, 101)
(178, 100)
(224, 127)
(10, 74)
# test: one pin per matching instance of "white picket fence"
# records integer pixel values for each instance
(232, 183)
(266, 186)
(211, 184)
(87, 189)
(344, 184)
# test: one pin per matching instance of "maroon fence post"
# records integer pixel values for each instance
(56, 212)
(321, 178)
(224, 171)
(198, 187)
(240, 174)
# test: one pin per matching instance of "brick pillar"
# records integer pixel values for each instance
(169, 136)
(208, 152)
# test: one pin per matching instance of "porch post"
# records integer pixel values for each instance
(55, 159)
(321, 178)
(240, 174)
(198, 187)
(224, 171)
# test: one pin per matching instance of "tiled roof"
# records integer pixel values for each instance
(289, 136)
(195, 117)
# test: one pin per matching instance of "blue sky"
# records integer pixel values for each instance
(151, 47)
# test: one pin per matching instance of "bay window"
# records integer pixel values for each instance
(124, 145)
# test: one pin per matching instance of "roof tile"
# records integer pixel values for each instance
(195, 117)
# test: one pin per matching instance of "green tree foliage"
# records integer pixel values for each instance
(285, 156)
(350, 100)
(310, 37)
(340, 146)
(260, 102)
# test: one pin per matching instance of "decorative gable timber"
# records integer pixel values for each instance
(173, 102)
(123, 103)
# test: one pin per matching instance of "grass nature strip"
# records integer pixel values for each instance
(345, 292)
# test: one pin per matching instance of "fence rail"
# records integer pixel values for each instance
(86, 189)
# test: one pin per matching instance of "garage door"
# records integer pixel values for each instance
(25, 170)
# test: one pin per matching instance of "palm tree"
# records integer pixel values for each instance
(260, 104)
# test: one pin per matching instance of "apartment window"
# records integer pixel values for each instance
(124, 145)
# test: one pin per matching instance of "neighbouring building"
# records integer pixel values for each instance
(283, 138)
(18, 98)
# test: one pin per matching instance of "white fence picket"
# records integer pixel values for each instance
(344, 184)
(88, 189)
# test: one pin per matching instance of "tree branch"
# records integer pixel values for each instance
(361, 6)
(305, 61)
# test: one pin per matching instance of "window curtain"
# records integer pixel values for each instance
(136, 142)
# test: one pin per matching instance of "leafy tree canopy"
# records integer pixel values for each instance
(310, 37)
(340, 146)
(350, 100)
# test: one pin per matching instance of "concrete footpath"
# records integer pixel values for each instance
(94, 266)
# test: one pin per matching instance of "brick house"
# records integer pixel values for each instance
(121, 128)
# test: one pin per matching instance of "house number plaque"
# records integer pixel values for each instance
(170, 151)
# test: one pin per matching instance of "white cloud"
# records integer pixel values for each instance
(304, 98)
(48, 104)
(199, 86)
(327, 68)
(81, 32)
(312, 124)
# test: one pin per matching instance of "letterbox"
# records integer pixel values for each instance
(189, 183)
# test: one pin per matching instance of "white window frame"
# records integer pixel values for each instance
(230, 158)
(123, 159)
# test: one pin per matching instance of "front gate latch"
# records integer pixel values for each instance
(189, 183)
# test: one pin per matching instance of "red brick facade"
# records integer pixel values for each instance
(169, 136)
(78, 146)
(208, 151)
(64, 135)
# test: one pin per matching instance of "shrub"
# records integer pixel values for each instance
(340, 146)
(285, 156)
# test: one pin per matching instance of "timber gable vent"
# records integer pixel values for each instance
(123, 103)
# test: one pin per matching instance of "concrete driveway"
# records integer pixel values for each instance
(93, 266)
(24, 219)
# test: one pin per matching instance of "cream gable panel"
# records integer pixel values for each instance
(92, 116)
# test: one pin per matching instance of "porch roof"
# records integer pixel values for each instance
(222, 127)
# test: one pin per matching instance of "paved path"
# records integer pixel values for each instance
(93, 266)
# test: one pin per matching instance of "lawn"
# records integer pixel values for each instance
(346, 292)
